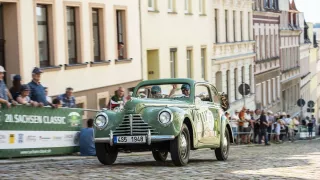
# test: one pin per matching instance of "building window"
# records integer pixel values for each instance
(234, 26)
(170, 6)
(203, 63)
(249, 26)
(96, 34)
(43, 35)
(242, 74)
(261, 47)
(227, 83)
(202, 7)
(267, 49)
(250, 76)
(81, 102)
(121, 34)
(189, 63)
(216, 13)
(226, 24)
(241, 25)
(151, 5)
(235, 82)
(173, 59)
(72, 35)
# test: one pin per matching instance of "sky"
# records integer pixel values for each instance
(310, 8)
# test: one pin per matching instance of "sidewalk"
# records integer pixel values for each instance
(77, 157)
(61, 158)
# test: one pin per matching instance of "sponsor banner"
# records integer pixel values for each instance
(7, 153)
(38, 139)
(35, 118)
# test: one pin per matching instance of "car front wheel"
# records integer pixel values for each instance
(106, 154)
(180, 147)
(159, 155)
(222, 152)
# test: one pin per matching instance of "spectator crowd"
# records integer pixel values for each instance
(260, 126)
(35, 94)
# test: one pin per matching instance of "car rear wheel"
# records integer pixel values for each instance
(106, 154)
(160, 155)
(180, 147)
(222, 152)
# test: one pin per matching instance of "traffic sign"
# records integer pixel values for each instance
(301, 102)
(244, 89)
(310, 110)
(310, 104)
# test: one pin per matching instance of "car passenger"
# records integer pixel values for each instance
(156, 92)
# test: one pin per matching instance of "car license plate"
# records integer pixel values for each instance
(129, 139)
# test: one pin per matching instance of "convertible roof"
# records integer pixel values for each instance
(169, 81)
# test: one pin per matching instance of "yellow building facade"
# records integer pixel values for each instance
(75, 43)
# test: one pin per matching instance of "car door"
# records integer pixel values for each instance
(204, 115)
(217, 112)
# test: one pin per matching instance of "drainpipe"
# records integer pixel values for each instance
(141, 50)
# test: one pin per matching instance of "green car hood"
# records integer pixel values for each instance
(136, 105)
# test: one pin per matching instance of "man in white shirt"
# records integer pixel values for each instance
(270, 119)
(287, 122)
(234, 124)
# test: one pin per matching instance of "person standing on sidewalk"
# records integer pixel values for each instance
(270, 122)
(256, 125)
(5, 95)
(263, 128)
(310, 129)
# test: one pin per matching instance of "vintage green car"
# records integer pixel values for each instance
(165, 115)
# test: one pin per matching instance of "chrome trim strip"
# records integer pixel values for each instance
(149, 137)
(111, 138)
(159, 138)
(130, 119)
(102, 140)
(155, 138)
(169, 105)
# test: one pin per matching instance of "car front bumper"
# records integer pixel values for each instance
(150, 138)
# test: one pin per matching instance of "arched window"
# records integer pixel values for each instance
(219, 81)
(235, 82)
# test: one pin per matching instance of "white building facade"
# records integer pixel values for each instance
(305, 46)
(233, 50)
(289, 56)
(266, 19)
(176, 38)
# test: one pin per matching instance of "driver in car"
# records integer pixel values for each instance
(185, 88)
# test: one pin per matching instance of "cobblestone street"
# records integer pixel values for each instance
(299, 160)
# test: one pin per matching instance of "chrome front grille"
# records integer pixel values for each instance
(133, 124)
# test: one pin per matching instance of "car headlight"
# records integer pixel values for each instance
(165, 117)
(101, 120)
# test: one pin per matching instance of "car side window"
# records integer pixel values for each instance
(216, 95)
(203, 92)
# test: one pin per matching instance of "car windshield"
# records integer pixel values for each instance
(164, 91)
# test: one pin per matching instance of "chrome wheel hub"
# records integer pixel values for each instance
(183, 146)
(225, 145)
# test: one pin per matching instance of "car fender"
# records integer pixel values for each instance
(222, 127)
(179, 117)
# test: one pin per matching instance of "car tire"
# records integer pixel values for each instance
(180, 147)
(106, 154)
(160, 156)
(222, 152)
